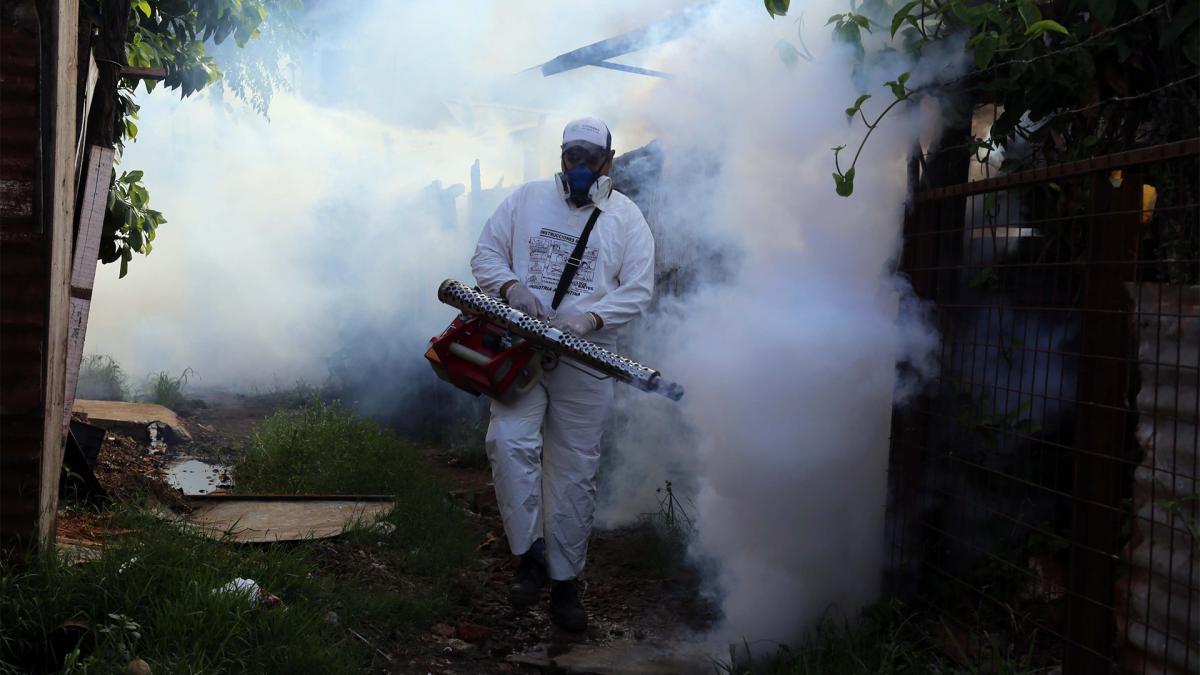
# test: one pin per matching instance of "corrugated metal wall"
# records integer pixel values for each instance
(1161, 615)
(23, 268)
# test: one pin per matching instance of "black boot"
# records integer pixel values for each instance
(566, 611)
(531, 576)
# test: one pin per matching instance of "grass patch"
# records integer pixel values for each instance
(889, 639)
(323, 448)
(101, 378)
(151, 596)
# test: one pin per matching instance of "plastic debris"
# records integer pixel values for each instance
(252, 591)
(158, 442)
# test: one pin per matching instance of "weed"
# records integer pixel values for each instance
(169, 391)
(464, 441)
(101, 378)
(662, 538)
(298, 395)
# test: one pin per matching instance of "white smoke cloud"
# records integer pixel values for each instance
(285, 238)
(789, 369)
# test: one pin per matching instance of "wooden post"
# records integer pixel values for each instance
(60, 222)
(1103, 431)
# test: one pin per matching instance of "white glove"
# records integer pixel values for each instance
(576, 324)
(523, 299)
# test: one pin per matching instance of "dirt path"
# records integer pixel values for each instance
(631, 604)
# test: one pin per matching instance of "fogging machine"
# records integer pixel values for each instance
(493, 349)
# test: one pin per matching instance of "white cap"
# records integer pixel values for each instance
(589, 130)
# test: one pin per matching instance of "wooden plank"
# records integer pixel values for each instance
(132, 418)
(89, 85)
(144, 73)
(92, 209)
(76, 332)
(91, 216)
(65, 19)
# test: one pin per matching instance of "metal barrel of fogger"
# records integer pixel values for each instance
(462, 297)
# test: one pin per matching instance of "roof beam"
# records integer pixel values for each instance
(598, 53)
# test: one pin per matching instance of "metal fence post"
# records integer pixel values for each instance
(1104, 428)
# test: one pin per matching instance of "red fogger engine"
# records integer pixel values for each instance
(493, 349)
(482, 358)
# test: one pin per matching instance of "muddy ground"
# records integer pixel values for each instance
(634, 601)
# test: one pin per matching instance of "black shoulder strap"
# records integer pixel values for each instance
(574, 261)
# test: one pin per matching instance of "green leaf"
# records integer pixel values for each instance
(862, 21)
(132, 176)
(777, 7)
(850, 33)
(897, 87)
(973, 16)
(835, 17)
(844, 183)
(1044, 25)
(985, 49)
(1030, 13)
(144, 7)
(903, 13)
(903, 77)
(857, 105)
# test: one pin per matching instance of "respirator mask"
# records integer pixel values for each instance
(580, 185)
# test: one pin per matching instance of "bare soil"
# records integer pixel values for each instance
(626, 602)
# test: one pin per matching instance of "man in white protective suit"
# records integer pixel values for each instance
(544, 446)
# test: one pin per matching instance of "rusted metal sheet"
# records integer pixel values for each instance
(1159, 600)
(22, 276)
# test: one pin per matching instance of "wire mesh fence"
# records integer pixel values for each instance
(1044, 487)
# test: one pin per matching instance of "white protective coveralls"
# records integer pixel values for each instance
(547, 486)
